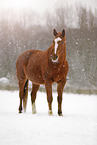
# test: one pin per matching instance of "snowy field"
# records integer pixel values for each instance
(77, 126)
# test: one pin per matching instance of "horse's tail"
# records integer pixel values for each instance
(25, 95)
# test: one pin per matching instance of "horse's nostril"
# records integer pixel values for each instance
(56, 57)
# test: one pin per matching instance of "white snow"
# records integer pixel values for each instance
(76, 43)
(4, 80)
(78, 126)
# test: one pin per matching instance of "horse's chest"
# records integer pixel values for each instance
(57, 75)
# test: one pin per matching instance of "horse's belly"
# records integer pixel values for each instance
(35, 77)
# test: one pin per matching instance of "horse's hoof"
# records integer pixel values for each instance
(50, 112)
(60, 113)
(24, 110)
(34, 112)
(20, 111)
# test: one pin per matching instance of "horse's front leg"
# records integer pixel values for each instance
(60, 88)
(48, 86)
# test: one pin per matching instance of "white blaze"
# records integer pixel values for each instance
(56, 43)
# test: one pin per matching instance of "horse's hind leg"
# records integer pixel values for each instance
(25, 96)
(21, 93)
(33, 97)
(20, 107)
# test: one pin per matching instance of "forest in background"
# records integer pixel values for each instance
(27, 30)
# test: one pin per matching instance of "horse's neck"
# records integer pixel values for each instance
(49, 50)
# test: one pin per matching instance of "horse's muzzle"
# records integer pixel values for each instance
(54, 58)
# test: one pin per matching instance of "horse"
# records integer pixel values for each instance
(43, 67)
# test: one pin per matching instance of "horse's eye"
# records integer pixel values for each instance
(62, 42)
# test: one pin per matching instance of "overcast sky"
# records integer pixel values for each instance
(41, 5)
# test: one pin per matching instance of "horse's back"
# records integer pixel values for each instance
(22, 60)
(25, 56)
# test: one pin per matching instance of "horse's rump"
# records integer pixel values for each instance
(29, 66)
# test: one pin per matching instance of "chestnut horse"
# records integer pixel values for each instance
(43, 67)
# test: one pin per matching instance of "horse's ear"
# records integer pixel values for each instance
(63, 33)
(54, 32)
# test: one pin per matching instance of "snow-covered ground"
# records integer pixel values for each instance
(77, 126)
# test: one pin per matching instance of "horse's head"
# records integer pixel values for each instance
(59, 46)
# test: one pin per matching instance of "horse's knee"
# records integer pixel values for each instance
(49, 99)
